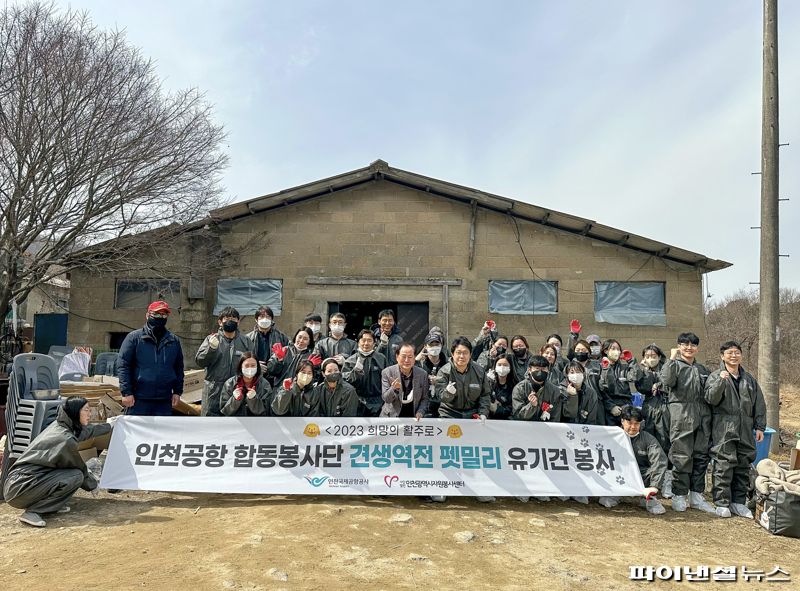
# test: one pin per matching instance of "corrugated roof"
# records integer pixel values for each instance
(380, 170)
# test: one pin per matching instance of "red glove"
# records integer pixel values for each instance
(476, 416)
(287, 383)
(280, 351)
(237, 394)
(651, 495)
(604, 362)
(575, 327)
(546, 406)
(627, 355)
(491, 324)
(315, 360)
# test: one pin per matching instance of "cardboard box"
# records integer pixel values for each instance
(794, 458)
(91, 448)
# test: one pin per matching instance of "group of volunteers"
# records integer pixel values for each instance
(679, 415)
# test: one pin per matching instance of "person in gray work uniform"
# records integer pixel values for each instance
(464, 389)
(737, 410)
(219, 354)
(50, 470)
(684, 379)
(650, 457)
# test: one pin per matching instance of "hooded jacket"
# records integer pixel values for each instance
(57, 447)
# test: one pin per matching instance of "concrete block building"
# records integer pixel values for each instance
(435, 252)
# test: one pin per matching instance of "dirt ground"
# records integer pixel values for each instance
(139, 540)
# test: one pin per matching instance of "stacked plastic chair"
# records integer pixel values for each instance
(33, 401)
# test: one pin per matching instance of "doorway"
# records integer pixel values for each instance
(411, 317)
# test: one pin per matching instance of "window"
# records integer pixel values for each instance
(247, 295)
(642, 303)
(523, 297)
(138, 293)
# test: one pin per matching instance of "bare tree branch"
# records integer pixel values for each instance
(93, 152)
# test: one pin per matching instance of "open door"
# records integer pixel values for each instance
(411, 317)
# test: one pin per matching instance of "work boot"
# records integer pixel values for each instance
(486, 499)
(679, 503)
(741, 510)
(696, 501)
(582, 500)
(655, 507)
(438, 498)
(33, 519)
(64, 509)
(608, 502)
(523, 499)
(722, 512)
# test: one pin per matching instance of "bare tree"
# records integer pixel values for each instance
(97, 161)
(737, 318)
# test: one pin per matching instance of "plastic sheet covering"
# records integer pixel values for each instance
(523, 297)
(641, 303)
(247, 295)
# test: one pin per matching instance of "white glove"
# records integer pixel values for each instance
(493, 406)
(451, 387)
(409, 398)
(237, 394)
(359, 364)
(251, 393)
(112, 420)
(339, 359)
(213, 341)
(545, 416)
(616, 411)
(384, 338)
(490, 374)
(263, 365)
(482, 419)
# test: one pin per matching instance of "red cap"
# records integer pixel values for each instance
(159, 306)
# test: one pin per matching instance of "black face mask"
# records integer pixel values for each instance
(582, 356)
(333, 378)
(538, 375)
(520, 352)
(501, 351)
(230, 326)
(157, 325)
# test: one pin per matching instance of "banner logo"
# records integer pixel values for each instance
(318, 481)
(311, 430)
(389, 480)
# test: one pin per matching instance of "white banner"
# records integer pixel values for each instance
(370, 457)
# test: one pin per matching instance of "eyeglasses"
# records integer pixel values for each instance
(159, 315)
(688, 346)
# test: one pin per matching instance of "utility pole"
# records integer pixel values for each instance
(768, 326)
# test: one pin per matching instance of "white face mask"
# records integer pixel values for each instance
(434, 351)
(249, 372)
(365, 353)
(315, 328)
(575, 378)
(337, 329)
(652, 361)
(303, 380)
(264, 323)
(612, 354)
(502, 370)
(595, 349)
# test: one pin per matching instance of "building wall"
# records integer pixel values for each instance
(384, 230)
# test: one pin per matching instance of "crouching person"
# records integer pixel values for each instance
(737, 409)
(49, 472)
(248, 393)
(649, 455)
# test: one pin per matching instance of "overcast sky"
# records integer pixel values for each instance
(645, 116)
